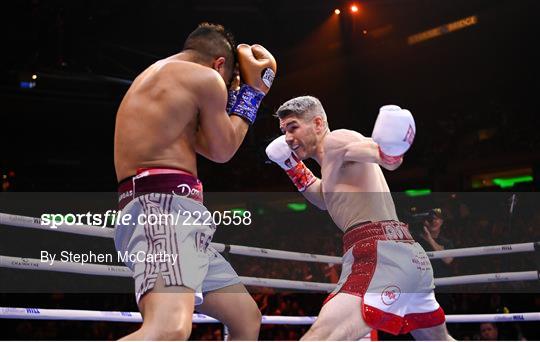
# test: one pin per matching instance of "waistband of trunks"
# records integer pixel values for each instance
(159, 180)
(382, 230)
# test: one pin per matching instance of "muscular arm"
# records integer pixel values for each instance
(219, 135)
(356, 148)
(314, 194)
(203, 143)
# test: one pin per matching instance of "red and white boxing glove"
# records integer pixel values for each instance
(394, 132)
(257, 69)
(279, 152)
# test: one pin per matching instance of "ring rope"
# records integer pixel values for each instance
(87, 230)
(35, 222)
(484, 250)
(122, 271)
(135, 317)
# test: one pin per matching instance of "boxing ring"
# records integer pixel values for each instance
(135, 317)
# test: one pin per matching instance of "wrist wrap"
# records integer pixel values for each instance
(389, 159)
(301, 176)
(231, 99)
(247, 103)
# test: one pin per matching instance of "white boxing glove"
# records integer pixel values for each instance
(279, 152)
(394, 132)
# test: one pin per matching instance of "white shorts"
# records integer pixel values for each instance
(197, 265)
(393, 275)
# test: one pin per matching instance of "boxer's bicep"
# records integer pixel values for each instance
(361, 151)
(336, 142)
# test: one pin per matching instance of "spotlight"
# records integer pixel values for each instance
(354, 8)
(27, 80)
(337, 11)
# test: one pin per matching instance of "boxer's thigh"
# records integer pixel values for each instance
(233, 306)
(340, 319)
(167, 313)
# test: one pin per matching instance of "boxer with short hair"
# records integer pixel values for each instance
(189, 103)
(386, 281)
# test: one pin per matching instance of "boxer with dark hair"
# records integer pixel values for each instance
(387, 281)
(189, 103)
(209, 41)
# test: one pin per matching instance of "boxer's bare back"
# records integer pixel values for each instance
(158, 122)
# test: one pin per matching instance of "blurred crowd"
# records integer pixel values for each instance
(461, 221)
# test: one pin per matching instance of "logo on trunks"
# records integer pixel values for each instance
(393, 232)
(125, 194)
(186, 191)
(390, 294)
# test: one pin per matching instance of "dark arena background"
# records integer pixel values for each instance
(466, 69)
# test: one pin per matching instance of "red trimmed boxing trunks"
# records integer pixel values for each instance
(393, 275)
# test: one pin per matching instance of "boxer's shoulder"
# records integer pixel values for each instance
(339, 138)
(181, 70)
(345, 134)
(206, 80)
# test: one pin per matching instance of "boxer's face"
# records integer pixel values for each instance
(300, 135)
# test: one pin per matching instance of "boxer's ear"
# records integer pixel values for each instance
(319, 124)
(219, 64)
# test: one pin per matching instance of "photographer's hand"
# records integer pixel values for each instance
(426, 235)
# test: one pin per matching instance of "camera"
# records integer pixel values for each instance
(416, 220)
(429, 215)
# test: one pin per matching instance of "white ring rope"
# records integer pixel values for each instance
(135, 317)
(488, 278)
(277, 254)
(122, 271)
(483, 250)
(35, 223)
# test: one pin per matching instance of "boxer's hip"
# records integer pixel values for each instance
(392, 273)
(160, 231)
(159, 181)
(369, 232)
(366, 246)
